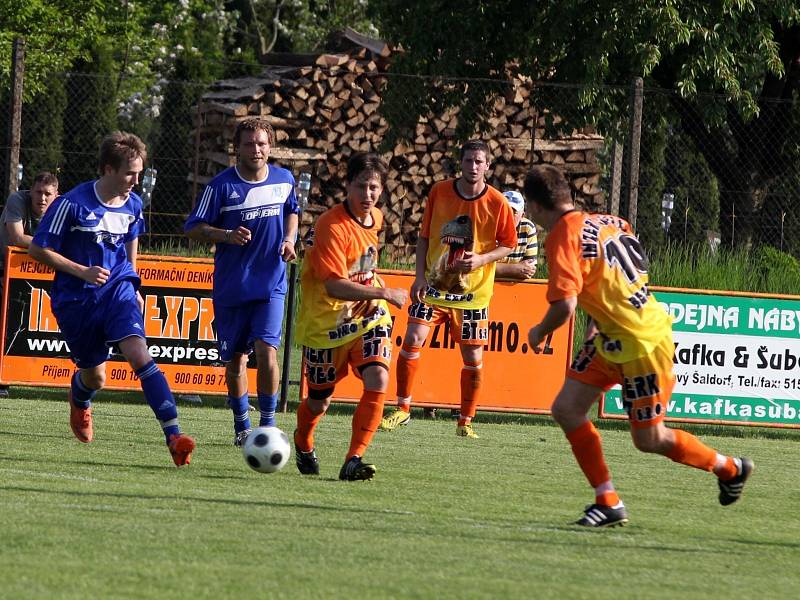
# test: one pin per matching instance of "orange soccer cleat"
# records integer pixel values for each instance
(181, 446)
(80, 420)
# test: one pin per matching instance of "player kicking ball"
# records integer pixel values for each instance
(90, 237)
(344, 318)
(596, 262)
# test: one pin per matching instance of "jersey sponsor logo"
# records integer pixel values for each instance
(261, 196)
(259, 213)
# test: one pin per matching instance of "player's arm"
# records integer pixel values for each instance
(290, 223)
(95, 275)
(17, 235)
(472, 261)
(132, 249)
(420, 283)
(344, 289)
(519, 271)
(557, 314)
(203, 232)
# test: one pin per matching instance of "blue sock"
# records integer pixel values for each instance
(241, 412)
(81, 395)
(267, 403)
(159, 397)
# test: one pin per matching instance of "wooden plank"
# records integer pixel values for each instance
(297, 154)
(565, 145)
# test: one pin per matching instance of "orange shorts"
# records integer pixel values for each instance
(325, 366)
(468, 326)
(646, 382)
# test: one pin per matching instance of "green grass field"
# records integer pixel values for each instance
(444, 518)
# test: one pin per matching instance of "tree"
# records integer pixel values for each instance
(734, 66)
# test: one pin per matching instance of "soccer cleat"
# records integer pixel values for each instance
(598, 515)
(357, 470)
(181, 446)
(240, 437)
(307, 462)
(80, 420)
(466, 431)
(730, 491)
(394, 420)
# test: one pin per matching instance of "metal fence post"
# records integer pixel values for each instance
(616, 179)
(15, 125)
(634, 139)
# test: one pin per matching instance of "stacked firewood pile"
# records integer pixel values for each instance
(326, 107)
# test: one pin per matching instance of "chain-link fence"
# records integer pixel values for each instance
(733, 184)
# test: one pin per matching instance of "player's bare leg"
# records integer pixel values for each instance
(267, 381)
(570, 410)
(407, 365)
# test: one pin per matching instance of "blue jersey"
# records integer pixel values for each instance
(253, 271)
(80, 227)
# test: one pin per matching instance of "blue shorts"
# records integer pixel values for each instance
(90, 327)
(239, 326)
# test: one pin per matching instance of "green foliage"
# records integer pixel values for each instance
(42, 145)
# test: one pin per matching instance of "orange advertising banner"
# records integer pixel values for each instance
(178, 317)
(514, 378)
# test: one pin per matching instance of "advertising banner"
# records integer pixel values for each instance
(737, 359)
(514, 378)
(178, 318)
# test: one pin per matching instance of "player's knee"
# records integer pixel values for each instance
(265, 354)
(561, 411)
(376, 377)
(651, 441)
(93, 380)
(319, 399)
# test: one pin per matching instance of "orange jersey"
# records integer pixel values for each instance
(341, 248)
(599, 260)
(455, 225)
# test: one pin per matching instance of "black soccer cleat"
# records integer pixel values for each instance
(357, 470)
(240, 437)
(598, 515)
(730, 491)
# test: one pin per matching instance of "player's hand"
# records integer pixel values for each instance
(468, 263)
(140, 301)
(418, 289)
(526, 268)
(288, 253)
(396, 296)
(535, 339)
(96, 275)
(239, 236)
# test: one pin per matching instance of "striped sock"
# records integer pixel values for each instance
(81, 395)
(241, 412)
(267, 404)
(159, 397)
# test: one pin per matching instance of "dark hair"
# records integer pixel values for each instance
(547, 186)
(475, 145)
(253, 124)
(366, 161)
(119, 147)
(45, 178)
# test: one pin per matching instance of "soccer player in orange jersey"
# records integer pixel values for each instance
(596, 262)
(344, 317)
(467, 227)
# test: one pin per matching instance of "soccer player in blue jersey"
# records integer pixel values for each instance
(90, 237)
(250, 212)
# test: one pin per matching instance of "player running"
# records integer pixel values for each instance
(90, 237)
(594, 261)
(249, 211)
(467, 226)
(344, 319)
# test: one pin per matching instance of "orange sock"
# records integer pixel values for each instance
(688, 450)
(588, 450)
(306, 422)
(407, 365)
(470, 385)
(365, 421)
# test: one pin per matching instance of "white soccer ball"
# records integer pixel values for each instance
(266, 449)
